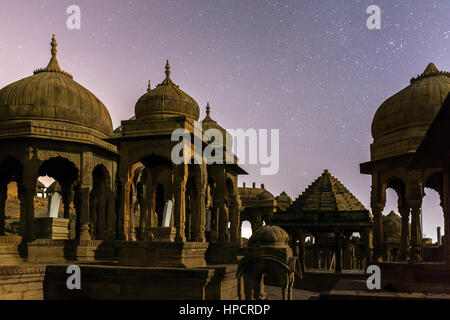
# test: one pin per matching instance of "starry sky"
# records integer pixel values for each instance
(309, 68)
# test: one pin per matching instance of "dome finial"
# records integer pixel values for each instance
(208, 109)
(167, 69)
(53, 65)
(149, 88)
(53, 44)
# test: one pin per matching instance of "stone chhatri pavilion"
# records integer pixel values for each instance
(326, 207)
(124, 200)
(398, 127)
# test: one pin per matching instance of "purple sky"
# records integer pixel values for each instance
(310, 68)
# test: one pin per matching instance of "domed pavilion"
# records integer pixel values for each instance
(50, 125)
(398, 127)
(170, 191)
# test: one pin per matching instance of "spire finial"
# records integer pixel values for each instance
(53, 65)
(167, 68)
(208, 109)
(149, 88)
(53, 44)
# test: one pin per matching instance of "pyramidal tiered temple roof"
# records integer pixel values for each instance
(327, 194)
(325, 205)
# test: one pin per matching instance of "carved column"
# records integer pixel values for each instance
(67, 197)
(214, 223)
(234, 219)
(27, 197)
(122, 208)
(180, 179)
(101, 217)
(378, 236)
(221, 227)
(200, 212)
(84, 213)
(416, 231)
(404, 213)
(446, 209)
(316, 250)
(338, 238)
(3, 197)
(111, 219)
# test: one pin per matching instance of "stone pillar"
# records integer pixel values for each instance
(301, 247)
(338, 238)
(446, 209)
(67, 197)
(316, 250)
(3, 197)
(222, 219)
(180, 179)
(378, 236)
(84, 213)
(416, 231)
(122, 208)
(214, 224)
(404, 213)
(27, 206)
(111, 218)
(101, 209)
(199, 213)
(234, 219)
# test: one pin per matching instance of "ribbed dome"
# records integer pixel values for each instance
(408, 114)
(51, 94)
(165, 101)
(269, 235)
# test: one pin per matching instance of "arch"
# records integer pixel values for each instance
(99, 202)
(61, 169)
(159, 203)
(246, 229)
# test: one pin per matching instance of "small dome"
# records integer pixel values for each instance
(283, 200)
(402, 121)
(167, 100)
(51, 94)
(269, 235)
(392, 225)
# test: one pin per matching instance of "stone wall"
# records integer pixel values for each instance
(22, 282)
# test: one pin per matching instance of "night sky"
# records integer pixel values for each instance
(307, 67)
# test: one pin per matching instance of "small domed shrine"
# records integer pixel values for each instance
(398, 127)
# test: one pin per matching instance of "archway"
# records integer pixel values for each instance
(99, 202)
(61, 174)
(432, 212)
(11, 217)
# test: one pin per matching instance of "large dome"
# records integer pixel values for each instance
(51, 94)
(165, 101)
(402, 121)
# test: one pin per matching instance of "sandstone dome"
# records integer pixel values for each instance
(165, 101)
(269, 236)
(52, 95)
(401, 122)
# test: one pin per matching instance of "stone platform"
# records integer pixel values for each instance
(162, 254)
(23, 282)
(100, 282)
(10, 247)
(48, 250)
(423, 277)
